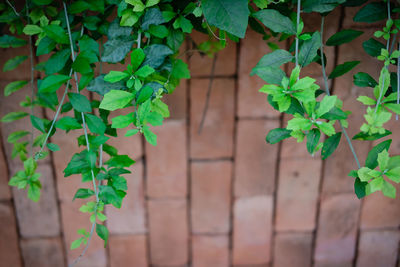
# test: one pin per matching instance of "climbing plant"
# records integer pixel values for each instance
(71, 42)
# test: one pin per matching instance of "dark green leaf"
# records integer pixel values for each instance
(363, 79)
(312, 140)
(15, 136)
(95, 124)
(228, 15)
(102, 87)
(273, 60)
(335, 114)
(52, 83)
(276, 135)
(38, 123)
(7, 41)
(372, 158)
(341, 69)
(14, 63)
(13, 87)
(46, 45)
(275, 21)
(373, 47)
(320, 6)
(365, 136)
(57, 61)
(153, 16)
(13, 116)
(309, 48)
(53, 147)
(360, 188)
(78, 164)
(56, 33)
(80, 102)
(116, 50)
(330, 145)
(68, 123)
(102, 232)
(144, 93)
(156, 54)
(343, 37)
(115, 30)
(372, 12)
(83, 193)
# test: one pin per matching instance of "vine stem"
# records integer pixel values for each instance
(13, 8)
(297, 27)
(398, 82)
(329, 93)
(387, 67)
(86, 137)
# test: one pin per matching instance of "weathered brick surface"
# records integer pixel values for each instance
(9, 250)
(38, 219)
(22, 72)
(200, 65)
(5, 192)
(252, 227)
(211, 196)
(42, 252)
(216, 138)
(177, 101)
(167, 162)
(252, 103)
(378, 248)
(337, 229)
(168, 228)
(128, 250)
(130, 218)
(297, 194)
(72, 220)
(210, 251)
(293, 249)
(255, 160)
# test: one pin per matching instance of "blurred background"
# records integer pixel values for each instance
(217, 196)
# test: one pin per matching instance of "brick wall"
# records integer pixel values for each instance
(216, 197)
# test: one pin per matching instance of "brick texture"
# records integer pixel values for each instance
(9, 250)
(293, 249)
(168, 232)
(211, 196)
(128, 250)
(255, 161)
(5, 192)
(167, 162)
(42, 252)
(216, 138)
(210, 251)
(252, 226)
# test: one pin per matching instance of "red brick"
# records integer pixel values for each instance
(216, 137)
(255, 160)
(38, 219)
(130, 218)
(297, 194)
(200, 65)
(42, 252)
(326, 264)
(177, 101)
(252, 103)
(72, 220)
(337, 229)
(210, 251)
(167, 162)
(252, 227)
(378, 248)
(5, 192)
(23, 71)
(211, 196)
(168, 232)
(128, 250)
(292, 249)
(9, 250)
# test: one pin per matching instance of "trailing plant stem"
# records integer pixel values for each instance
(328, 93)
(398, 83)
(297, 37)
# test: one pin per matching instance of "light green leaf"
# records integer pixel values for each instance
(366, 100)
(68, 123)
(15, 136)
(122, 121)
(51, 83)
(95, 124)
(388, 190)
(394, 174)
(13, 87)
(144, 71)
(32, 29)
(116, 99)
(150, 137)
(363, 174)
(327, 103)
(13, 116)
(326, 128)
(53, 147)
(383, 160)
(131, 132)
(275, 21)
(115, 76)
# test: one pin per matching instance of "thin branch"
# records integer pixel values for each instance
(328, 93)
(203, 116)
(398, 83)
(13, 8)
(297, 26)
(208, 26)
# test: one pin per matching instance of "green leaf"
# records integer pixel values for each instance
(373, 47)
(372, 158)
(159, 31)
(131, 132)
(38, 123)
(364, 174)
(326, 128)
(57, 61)
(116, 50)
(160, 107)
(82, 64)
(312, 140)
(51, 83)
(13, 116)
(368, 137)
(122, 121)
(46, 46)
(275, 21)
(120, 161)
(15, 136)
(330, 145)
(388, 190)
(102, 232)
(80, 102)
(342, 37)
(129, 18)
(335, 114)
(156, 54)
(360, 188)
(150, 137)
(144, 71)
(393, 107)
(68, 123)
(276, 135)
(327, 103)
(375, 185)
(274, 60)
(7, 41)
(76, 243)
(309, 48)
(32, 29)
(95, 124)
(137, 57)
(144, 94)
(180, 70)
(320, 6)
(383, 160)
(13, 87)
(341, 69)
(228, 15)
(34, 191)
(13, 63)
(372, 12)
(116, 99)
(102, 87)
(153, 16)
(363, 79)
(53, 147)
(184, 24)
(115, 76)
(78, 164)
(394, 174)
(56, 33)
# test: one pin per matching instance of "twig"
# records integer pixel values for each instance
(398, 83)
(213, 32)
(297, 37)
(328, 93)
(13, 8)
(203, 117)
